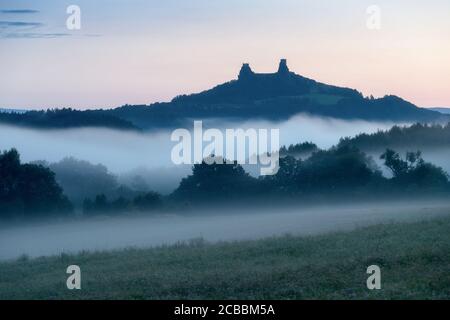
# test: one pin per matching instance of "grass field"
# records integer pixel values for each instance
(414, 259)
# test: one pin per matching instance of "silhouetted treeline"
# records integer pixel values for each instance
(212, 181)
(144, 203)
(417, 136)
(299, 149)
(28, 190)
(81, 179)
(337, 172)
(66, 118)
(325, 172)
(342, 172)
(414, 173)
(178, 112)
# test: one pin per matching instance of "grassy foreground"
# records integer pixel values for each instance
(414, 260)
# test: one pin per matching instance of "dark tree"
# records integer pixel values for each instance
(216, 181)
(28, 189)
(81, 179)
(147, 201)
(414, 172)
(393, 161)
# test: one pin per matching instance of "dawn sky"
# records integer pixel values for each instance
(141, 51)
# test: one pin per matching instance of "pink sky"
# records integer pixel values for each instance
(144, 53)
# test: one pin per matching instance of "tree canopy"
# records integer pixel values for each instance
(28, 189)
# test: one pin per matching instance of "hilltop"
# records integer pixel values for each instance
(275, 96)
(271, 96)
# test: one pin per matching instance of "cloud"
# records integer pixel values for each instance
(18, 11)
(19, 24)
(33, 35)
(16, 29)
(20, 30)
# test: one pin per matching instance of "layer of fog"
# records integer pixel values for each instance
(148, 154)
(122, 232)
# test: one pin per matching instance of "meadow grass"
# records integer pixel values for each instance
(414, 259)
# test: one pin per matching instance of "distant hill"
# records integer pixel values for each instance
(270, 96)
(65, 118)
(3, 110)
(274, 96)
(414, 137)
(441, 110)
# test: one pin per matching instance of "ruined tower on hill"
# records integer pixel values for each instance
(283, 68)
(247, 73)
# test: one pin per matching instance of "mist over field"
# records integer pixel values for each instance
(147, 154)
(122, 150)
(224, 150)
(127, 153)
(212, 224)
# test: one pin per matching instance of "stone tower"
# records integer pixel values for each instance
(245, 72)
(283, 68)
